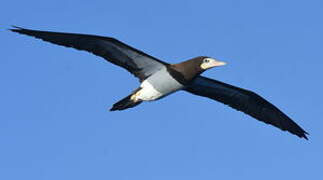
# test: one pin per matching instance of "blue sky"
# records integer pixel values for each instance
(55, 122)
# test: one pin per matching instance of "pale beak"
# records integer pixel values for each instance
(217, 63)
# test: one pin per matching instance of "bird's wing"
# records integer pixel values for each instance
(245, 101)
(113, 50)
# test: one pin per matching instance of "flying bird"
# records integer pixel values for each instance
(159, 79)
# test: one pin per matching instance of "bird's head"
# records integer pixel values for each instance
(207, 63)
(193, 67)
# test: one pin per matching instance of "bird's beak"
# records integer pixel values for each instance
(217, 63)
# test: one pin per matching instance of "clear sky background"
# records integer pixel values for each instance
(55, 123)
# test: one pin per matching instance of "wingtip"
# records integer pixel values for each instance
(15, 28)
(113, 108)
(304, 135)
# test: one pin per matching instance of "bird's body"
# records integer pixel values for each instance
(153, 88)
(159, 79)
(159, 85)
(166, 80)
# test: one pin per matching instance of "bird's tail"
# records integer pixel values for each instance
(125, 103)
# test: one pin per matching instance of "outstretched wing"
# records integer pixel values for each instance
(113, 50)
(245, 101)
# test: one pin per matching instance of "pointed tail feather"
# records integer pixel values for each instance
(125, 103)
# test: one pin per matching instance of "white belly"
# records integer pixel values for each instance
(157, 86)
(148, 92)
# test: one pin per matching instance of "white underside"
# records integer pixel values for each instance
(147, 92)
(157, 86)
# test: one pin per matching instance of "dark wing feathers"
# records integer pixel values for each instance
(245, 101)
(137, 62)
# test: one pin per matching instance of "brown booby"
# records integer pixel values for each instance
(159, 79)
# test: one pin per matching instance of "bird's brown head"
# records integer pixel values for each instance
(194, 67)
(207, 62)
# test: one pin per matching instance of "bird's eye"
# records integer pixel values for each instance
(206, 61)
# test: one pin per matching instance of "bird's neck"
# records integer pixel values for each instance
(185, 71)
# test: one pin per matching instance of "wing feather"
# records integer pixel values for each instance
(135, 61)
(245, 101)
